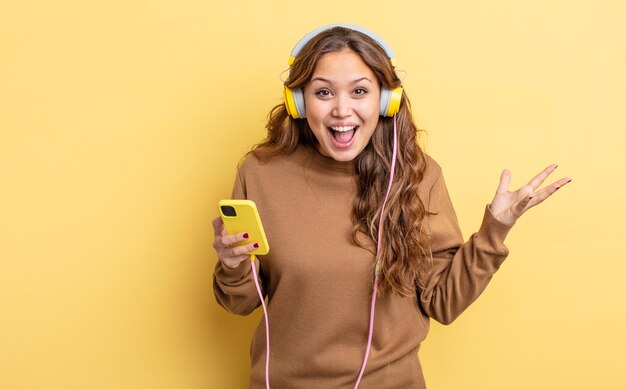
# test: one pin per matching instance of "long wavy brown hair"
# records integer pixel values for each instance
(405, 252)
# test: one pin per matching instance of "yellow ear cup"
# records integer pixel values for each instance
(394, 101)
(290, 103)
(390, 101)
(294, 101)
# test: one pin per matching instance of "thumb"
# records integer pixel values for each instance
(505, 178)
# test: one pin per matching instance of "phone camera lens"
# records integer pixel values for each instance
(227, 210)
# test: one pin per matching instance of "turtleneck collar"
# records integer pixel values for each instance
(324, 162)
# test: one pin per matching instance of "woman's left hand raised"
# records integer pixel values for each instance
(507, 206)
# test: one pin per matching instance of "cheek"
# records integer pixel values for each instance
(369, 110)
(370, 117)
(314, 119)
(314, 113)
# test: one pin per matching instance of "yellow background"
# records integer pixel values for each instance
(122, 123)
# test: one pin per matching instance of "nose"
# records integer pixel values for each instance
(343, 106)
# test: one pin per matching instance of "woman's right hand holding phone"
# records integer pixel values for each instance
(224, 244)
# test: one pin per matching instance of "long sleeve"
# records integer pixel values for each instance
(234, 289)
(319, 282)
(461, 271)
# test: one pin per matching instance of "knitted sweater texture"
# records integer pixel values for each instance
(318, 284)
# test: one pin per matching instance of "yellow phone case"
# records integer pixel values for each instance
(242, 216)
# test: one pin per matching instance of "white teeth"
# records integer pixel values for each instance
(343, 128)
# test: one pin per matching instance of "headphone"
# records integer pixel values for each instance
(389, 98)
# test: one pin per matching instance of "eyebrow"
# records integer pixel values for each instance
(330, 82)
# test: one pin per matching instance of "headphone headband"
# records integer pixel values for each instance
(381, 42)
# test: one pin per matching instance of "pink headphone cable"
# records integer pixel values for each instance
(377, 268)
(267, 325)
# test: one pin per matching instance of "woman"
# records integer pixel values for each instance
(320, 181)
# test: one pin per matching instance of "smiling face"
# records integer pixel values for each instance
(342, 104)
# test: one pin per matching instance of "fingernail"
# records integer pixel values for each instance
(570, 180)
(256, 245)
(245, 235)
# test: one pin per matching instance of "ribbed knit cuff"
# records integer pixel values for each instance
(229, 275)
(492, 231)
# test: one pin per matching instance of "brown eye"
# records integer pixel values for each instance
(360, 91)
(322, 93)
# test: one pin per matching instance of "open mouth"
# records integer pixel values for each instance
(343, 136)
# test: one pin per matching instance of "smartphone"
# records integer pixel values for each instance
(242, 216)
